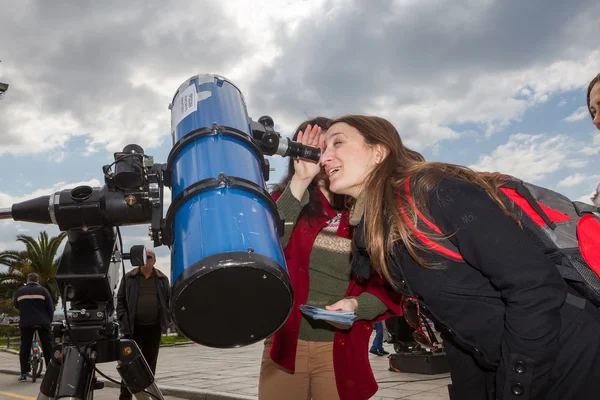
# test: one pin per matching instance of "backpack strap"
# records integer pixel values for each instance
(582, 208)
(519, 187)
(423, 226)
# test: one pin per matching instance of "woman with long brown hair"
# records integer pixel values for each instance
(511, 326)
(314, 359)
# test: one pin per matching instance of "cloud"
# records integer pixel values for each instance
(466, 67)
(88, 70)
(579, 114)
(531, 157)
(587, 198)
(592, 147)
(576, 179)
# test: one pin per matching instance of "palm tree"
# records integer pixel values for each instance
(39, 256)
(16, 276)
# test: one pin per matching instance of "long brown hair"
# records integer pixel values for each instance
(589, 92)
(314, 208)
(384, 225)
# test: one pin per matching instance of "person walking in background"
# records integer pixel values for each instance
(36, 311)
(143, 310)
(377, 346)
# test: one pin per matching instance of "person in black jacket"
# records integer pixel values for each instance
(512, 328)
(143, 310)
(36, 311)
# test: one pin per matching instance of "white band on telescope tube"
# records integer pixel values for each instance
(54, 200)
(204, 78)
(282, 146)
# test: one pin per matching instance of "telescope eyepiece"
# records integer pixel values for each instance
(289, 148)
(81, 193)
(271, 142)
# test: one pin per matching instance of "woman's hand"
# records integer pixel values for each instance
(343, 305)
(305, 171)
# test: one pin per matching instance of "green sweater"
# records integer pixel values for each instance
(329, 272)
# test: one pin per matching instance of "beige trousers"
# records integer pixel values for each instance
(314, 377)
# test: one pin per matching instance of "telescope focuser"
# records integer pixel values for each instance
(272, 143)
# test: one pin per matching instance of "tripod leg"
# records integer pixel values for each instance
(50, 381)
(136, 373)
(76, 375)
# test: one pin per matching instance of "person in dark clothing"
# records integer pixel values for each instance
(512, 327)
(143, 310)
(36, 311)
(377, 346)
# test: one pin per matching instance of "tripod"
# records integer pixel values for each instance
(88, 274)
(92, 339)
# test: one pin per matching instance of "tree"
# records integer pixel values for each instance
(16, 276)
(39, 256)
(6, 300)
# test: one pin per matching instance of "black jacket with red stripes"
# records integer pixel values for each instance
(34, 304)
(510, 328)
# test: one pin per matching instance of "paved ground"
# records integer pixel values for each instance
(11, 389)
(207, 373)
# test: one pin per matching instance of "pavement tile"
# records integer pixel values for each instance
(425, 396)
(420, 386)
(252, 391)
(234, 387)
(395, 393)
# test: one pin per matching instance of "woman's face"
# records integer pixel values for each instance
(347, 159)
(595, 105)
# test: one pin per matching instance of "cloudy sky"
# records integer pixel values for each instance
(496, 85)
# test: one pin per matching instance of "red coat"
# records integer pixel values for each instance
(353, 374)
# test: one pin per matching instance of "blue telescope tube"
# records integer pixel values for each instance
(230, 282)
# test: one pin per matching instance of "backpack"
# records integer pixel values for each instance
(567, 231)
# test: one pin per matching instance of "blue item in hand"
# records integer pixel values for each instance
(340, 317)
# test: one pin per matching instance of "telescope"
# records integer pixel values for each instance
(230, 285)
